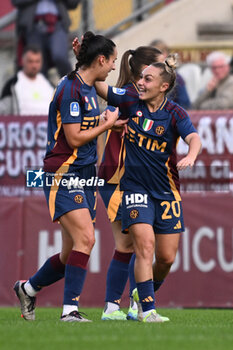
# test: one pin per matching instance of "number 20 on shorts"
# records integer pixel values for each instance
(174, 205)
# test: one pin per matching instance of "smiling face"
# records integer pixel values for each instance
(106, 65)
(151, 85)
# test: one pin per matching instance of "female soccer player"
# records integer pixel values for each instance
(122, 264)
(73, 125)
(111, 169)
(151, 203)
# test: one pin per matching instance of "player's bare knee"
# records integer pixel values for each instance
(86, 239)
(90, 241)
(146, 250)
(166, 261)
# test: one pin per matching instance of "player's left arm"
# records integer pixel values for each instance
(194, 143)
(189, 134)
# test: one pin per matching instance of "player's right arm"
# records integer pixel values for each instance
(76, 137)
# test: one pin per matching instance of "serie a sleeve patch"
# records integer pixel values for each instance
(74, 109)
(118, 91)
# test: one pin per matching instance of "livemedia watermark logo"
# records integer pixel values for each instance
(34, 178)
(37, 178)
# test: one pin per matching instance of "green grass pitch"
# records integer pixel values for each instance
(189, 329)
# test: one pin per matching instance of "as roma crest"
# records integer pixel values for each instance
(78, 198)
(134, 214)
(159, 130)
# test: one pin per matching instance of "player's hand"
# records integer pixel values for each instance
(109, 118)
(185, 163)
(76, 45)
(119, 125)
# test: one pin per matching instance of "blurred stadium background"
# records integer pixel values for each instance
(203, 273)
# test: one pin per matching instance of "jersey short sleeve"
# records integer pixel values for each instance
(122, 98)
(183, 122)
(70, 110)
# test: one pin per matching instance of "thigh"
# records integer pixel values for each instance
(143, 239)
(166, 246)
(78, 225)
(123, 242)
(76, 222)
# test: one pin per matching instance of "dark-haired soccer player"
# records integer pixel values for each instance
(73, 125)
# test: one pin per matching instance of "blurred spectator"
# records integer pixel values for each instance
(218, 93)
(29, 92)
(195, 78)
(192, 75)
(46, 24)
(179, 93)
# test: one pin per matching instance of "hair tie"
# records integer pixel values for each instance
(167, 64)
(167, 67)
(132, 52)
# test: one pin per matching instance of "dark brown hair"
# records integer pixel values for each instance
(132, 62)
(91, 47)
